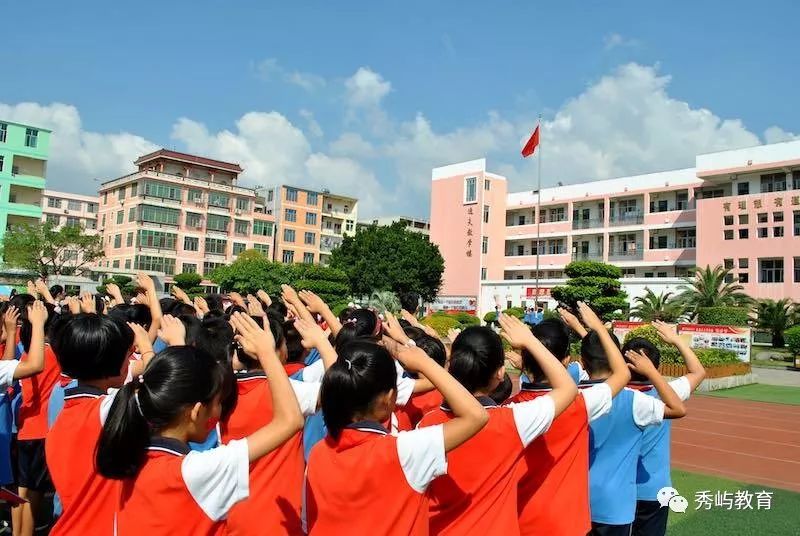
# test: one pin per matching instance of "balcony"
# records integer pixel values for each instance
(629, 253)
(160, 199)
(157, 224)
(587, 255)
(595, 223)
(144, 248)
(626, 218)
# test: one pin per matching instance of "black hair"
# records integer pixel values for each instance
(475, 357)
(345, 313)
(593, 356)
(503, 391)
(215, 336)
(363, 372)
(251, 362)
(167, 304)
(178, 377)
(137, 313)
(55, 290)
(553, 335)
(89, 346)
(278, 308)
(181, 309)
(360, 323)
(413, 332)
(26, 328)
(100, 304)
(215, 302)
(639, 344)
(433, 347)
(21, 302)
(235, 309)
(409, 301)
(294, 346)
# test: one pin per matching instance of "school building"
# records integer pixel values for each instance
(737, 208)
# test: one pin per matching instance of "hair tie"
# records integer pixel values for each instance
(351, 320)
(139, 404)
(349, 364)
(141, 378)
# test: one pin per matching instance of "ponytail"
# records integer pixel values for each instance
(363, 372)
(360, 323)
(178, 377)
(476, 355)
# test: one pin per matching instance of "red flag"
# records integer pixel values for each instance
(532, 144)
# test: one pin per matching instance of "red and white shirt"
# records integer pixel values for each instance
(36, 392)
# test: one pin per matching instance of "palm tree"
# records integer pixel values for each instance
(709, 288)
(383, 301)
(654, 306)
(775, 317)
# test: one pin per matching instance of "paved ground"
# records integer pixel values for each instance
(770, 376)
(753, 442)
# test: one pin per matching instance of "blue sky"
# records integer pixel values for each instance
(366, 99)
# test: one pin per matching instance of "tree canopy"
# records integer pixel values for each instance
(596, 284)
(711, 287)
(47, 251)
(390, 258)
(654, 306)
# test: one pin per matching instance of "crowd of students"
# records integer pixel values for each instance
(258, 415)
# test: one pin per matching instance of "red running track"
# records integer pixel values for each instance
(752, 442)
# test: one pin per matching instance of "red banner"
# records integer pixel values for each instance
(530, 292)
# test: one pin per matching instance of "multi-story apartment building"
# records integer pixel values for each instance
(180, 213)
(310, 224)
(412, 224)
(738, 208)
(23, 166)
(63, 209)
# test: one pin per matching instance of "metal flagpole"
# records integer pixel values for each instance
(538, 212)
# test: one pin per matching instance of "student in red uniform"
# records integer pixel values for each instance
(362, 480)
(95, 350)
(479, 493)
(32, 476)
(10, 368)
(555, 466)
(277, 507)
(166, 489)
(419, 404)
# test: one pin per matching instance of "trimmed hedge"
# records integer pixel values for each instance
(723, 316)
(669, 354)
(592, 268)
(710, 357)
(792, 338)
(441, 323)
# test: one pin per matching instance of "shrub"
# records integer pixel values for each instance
(710, 357)
(595, 283)
(550, 314)
(592, 268)
(466, 320)
(441, 323)
(792, 337)
(490, 317)
(517, 312)
(669, 354)
(723, 316)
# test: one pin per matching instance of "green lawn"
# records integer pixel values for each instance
(781, 519)
(761, 393)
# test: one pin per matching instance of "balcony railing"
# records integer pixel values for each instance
(681, 243)
(626, 218)
(587, 255)
(588, 223)
(629, 254)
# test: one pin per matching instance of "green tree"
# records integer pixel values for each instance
(390, 258)
(47, 251)
(775, 317)
(654, 306)
(708, 288)
(595, 283)
(189, 283)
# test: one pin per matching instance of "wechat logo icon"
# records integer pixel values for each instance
(670, 497)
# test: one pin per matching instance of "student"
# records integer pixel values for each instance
(277, 507)
(295, 352)
(94, 350)
(409, 301)
(479, 495)
(409, 415)
(653, 469)
(166, 489)
(616, 438)
(555, 466)
(33, 478)
(359, 465)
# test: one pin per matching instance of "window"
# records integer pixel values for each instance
(521, 219)
(262, 248)
(288, 256)
(557, 214)
(487, 184)
(744, 234)
(91, 208)
(2, 158)
(763, 217)
(53, 218)
(53, 202)
(159, 190)
(216, 246)
(763, 232)
(728, 264)
(540, 248)
(744, 219)
(311, 218)
(310, 238)
(728, 278)
(121, 193)
(682, 200)
(117, 241)
(710, 194)
(31, 137)
(796, 218)
(103, 221)
(629, 272)
(290, 214)
(556, 247)
(134, 188)
(196, 196)
(743, 188)
(90, 224)
(308, 258)
(312, 198)
(238, 247)
(189, 268)
(73, 221)
(191, 243)
(661, 274)
(291, 195)
(242, 204)
(543, 215)
(154, 264)
(348, 226)
(209, 267)
(728, 234)
(744, 277)
(127, 264)
(485, 213)
(773, 182)
(770, 270)
(217, 223)
(520, 249)
(744, 263)
(288, 235)
(485, 245)
(270, 195)
(470, 190)
(662, 205)
(797, 269)
(241, 227)
(216, 199)
(73, 204)
(164, 216)
(3, 132)
(262, 228)
(129, 240)
(686, 238)
(194, 220)
(777, 232)
(483, 273)
(115, 264)
(658, 242)
(156, 239)
(777, 217)
(131, 214)
(648, 274)
(728, 220)
(120, 216)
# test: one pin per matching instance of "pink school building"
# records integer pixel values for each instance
(738, 208)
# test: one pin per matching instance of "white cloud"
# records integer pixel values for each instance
(313, 126)
(347, 177)
(366, 88)
(78, 156)
(269, 69)
(776, 134)
(615, 40)
(352, 144)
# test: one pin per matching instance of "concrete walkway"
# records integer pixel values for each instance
(769, 376)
